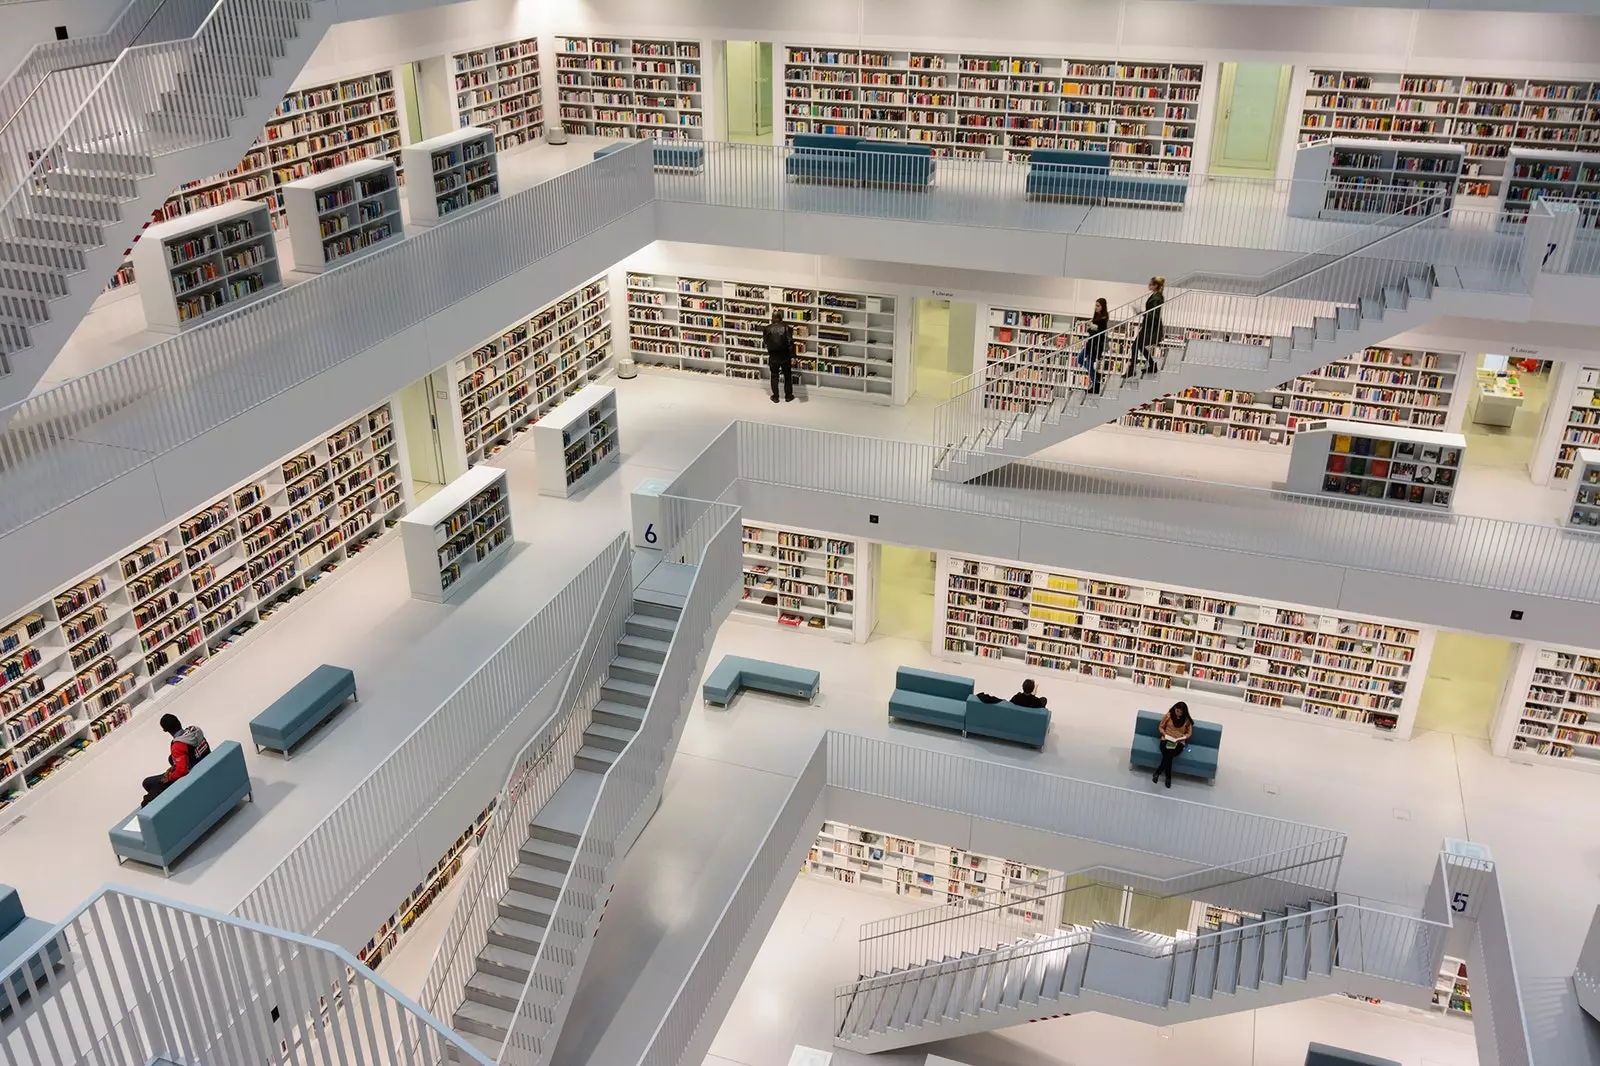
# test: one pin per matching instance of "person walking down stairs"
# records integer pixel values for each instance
(1147, 352)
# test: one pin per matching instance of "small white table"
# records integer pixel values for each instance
(1497, 405)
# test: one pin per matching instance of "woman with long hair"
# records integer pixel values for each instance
(1095, 346)
(1148, 348)
(1176, 728)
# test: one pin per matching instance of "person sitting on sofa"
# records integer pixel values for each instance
(1027, 697)
(1176, 728)
(188, 747)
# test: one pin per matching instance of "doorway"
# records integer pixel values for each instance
(943, 333)
(430, 460)
(1251, 102)
(903, 578)
(1466, 679)
(1505, 411)
(748, 77)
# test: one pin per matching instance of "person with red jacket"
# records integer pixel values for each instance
(188, 747)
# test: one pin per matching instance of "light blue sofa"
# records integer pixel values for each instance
(930, 698)
(1323, 1055)
(1086, 177)
(1198, 758)
(18, 934)
(735, 672)
(665, 155)
(304, 707)
(174, 820)
(860, 161)
(1006, 721)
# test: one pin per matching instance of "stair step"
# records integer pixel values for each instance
(943, 985)
(1205, 968)
(548, 854)
(199, 102)
(1228, 961)
(79, 232)
(651, 609)
(645, 649)
(482, 1019)
(1394, 297)
(914, 1006)
(871, 1003)
(509, 963)
(630, 692)
(1321, 922)
(1250, 956)
(129, 164)
(1077, 961)
(88, 183)
(886, 1005)
(538, 881)
(852, 1015)
(1295, 943)
(1272, 943)
(649, 627)
(522, 903)
(995, 981)
(554, 836)
(73, 206)
(612, 737)
(1346, 318)
(621, 715)
(1326, 327)
(518, 936)
(594, 760)
(501, 994)
(1183, 975)
(641, 671)
(43, 255)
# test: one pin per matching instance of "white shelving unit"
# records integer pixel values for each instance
(78, 665)
(1537, 174)
(579, 442)
(343, 213)
(622, 87)
(998, 106)
(450, 173)
(1585, 510)
(1377, 464)
(843, 340)
(1335, 668)
(459, 536)
(498, 88)
(514, 378)
(199, 266)
(805, 579)
(1451, 992)
(938, 873)
(1582, 428)
(1559, 714)
(1334, 179)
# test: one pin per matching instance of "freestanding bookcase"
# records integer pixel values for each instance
(1348, 179)
(201, 265)
(1377, 464)
(1585, 511)
(450, 173)
(343, 213)
(459, 536)
(578, 442)
(803, 579)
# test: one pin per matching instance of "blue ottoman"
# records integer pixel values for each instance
(735, 672)
(303, 708)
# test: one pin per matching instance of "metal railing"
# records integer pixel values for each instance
(70, 440)
(337, 857)
(129, 979)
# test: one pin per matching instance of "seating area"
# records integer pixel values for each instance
(683, 156)
(949, 702)
(158, 834)
(300, 710)
(18, 934)
(1087, 177)
(1198, 758)
(736, 672)
(822, 157)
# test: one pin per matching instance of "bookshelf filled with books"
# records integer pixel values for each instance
(1332, 668)
(425, 894)
(78, 665)
(621, 87)
(1548, 174)
(805, 579)
(935, 873)
(1142, 113)
(1392, 465)
(843, 340)
(498, 88)
(1451, 992)
(524, 371)
(1346, 180)
(1582, 425)
(578, 443)
(461, 535)
(343, 213)
(451, 173)
(1585, 510)
(1554, 712)
(194, 268)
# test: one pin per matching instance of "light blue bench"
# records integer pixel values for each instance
(930, 698)
(665, 155)
(163, 830)
(1323, 1055)
(735, 672)
(1087, 177)
(19, 933)
(1198, 758)
(1006, 721)
(303, 708)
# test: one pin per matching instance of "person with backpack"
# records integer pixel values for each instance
(779, 339)
(188, 747)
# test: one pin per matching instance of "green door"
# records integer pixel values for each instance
(1250, 110)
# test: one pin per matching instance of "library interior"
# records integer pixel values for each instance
(1023, 533)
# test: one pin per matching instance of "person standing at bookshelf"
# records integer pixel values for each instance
(1175, 729)
(1147, 352)
(779, 339)
(1095, 347)
(187, 748)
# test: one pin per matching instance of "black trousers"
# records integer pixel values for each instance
(153, 787)
(782, 367)
(1167, 755)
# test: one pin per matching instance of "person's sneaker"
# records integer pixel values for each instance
(787, 399)
(774, 399)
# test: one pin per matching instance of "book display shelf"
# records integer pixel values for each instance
(617, 87)
(1585, 511)
(801, 578)
(1335, 668)
(578, 443)
(1582, 429)
(1545, 174)
(843, 340)
(1377, 464)
(1347, 180)
(511, 380)
(1451, 992)
(420, 898)
(451, 173)
(76, 666)
(459, 536)
(498, 88)
(194, 268)
(1487, 116)
(973, 106)
(343, 213)
(937, 873)
(1559, 717)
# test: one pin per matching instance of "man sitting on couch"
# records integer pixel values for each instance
(1027, 697)
(188, 747)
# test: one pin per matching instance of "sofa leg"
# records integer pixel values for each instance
(166, 871)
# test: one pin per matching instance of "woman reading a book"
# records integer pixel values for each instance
(1095, 346)
(1176, 728)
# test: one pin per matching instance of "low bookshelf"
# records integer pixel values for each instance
(450, 173)
(202, 265)
(343, 213)
(844, 340)
(1343, 179)
(1377, 464)
(579, 442)
(459, 536)
(78, 665)
(1332, 668)
(804, 579)
(1557, 709)
(498, 88)
(1548, 174)
(622, 87)
(1582, 426)
(1585, 510)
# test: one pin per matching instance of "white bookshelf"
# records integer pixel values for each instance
(1452, 993)
(194, 268)
(843, 340)
(579, 442)
(1585, 509)
(937, 873)
(1488, 117)
(805, 579)
(76, 666)
(1393, 465)
(1282, 657)
(498, 88)
(1559, 714)
(630, 87)
(1582, 426)
(1345, 179)
(459, 536)
(983, 105)
(517, 376)
(1540, 174)
(343, 213)
(450, 173)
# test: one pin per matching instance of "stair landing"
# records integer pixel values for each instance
(568, 810)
